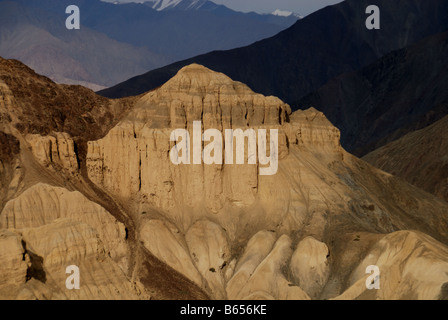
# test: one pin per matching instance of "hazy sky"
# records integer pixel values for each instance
(303, 7)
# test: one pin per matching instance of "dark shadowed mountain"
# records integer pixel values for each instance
(420, 157)
(404, 91)
(314, 50)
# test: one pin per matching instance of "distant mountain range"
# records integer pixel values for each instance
(93, 183)
(86, 57)
(333, 41)
(166, 5)
(160, 5)
(118, 41)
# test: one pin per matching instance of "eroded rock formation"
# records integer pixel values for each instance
(139, 226)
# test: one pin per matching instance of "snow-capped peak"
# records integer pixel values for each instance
(160, 5)
(163, 4)
(281, 13)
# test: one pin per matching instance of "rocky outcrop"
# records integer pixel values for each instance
(132, 161)
(10, 167)
(14, 261)
(59, 228)
(51, 229)
(318, 192)
(210, 251)
(310, 266)
(44, 253)
(259, 272)
(268, 277)
(257, 249)
(33, 104)
(165, 242)
(57, 150)
(64, 243)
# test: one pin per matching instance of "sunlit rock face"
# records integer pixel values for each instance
(138, 226)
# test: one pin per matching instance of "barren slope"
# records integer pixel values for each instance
(320, 191)
(420, 157)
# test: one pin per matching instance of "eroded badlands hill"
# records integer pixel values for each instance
(113, 203)
(420, 157)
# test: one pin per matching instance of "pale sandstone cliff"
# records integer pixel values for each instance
(58, 228)
(308, 232)
(42, 204)
(57, 150)
(413, 267)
